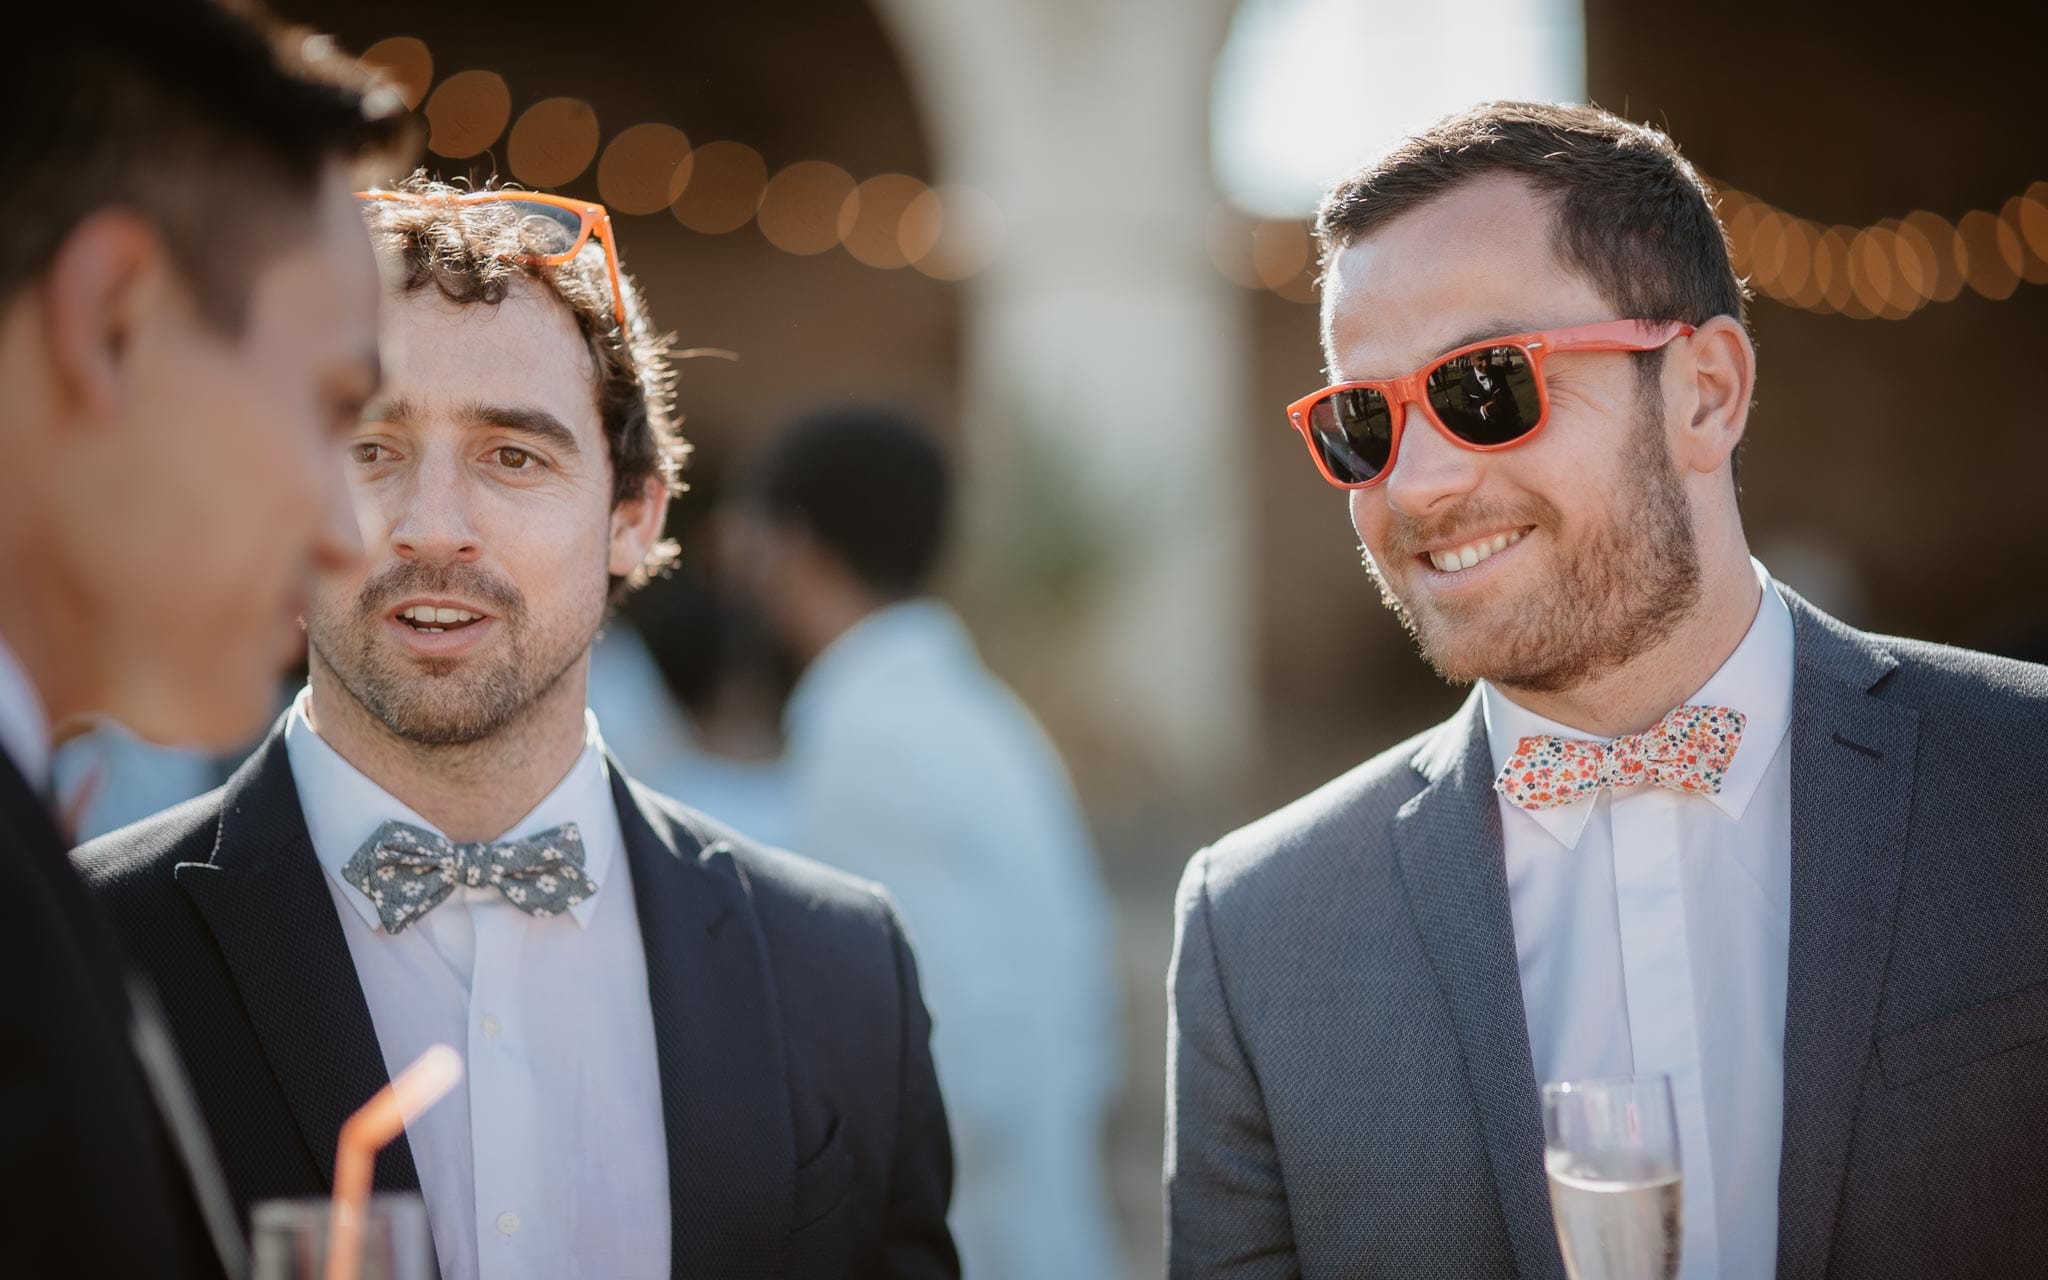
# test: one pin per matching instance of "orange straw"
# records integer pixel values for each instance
(369, 1131)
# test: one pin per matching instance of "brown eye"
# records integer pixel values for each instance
(365, 451)
(514, 458)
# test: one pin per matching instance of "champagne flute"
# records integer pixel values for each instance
(1610, 1149)
(290, 1239)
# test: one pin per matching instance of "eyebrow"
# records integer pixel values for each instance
(526, 420)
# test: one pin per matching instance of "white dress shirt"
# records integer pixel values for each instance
(24, 723)
(549, 1161)
(1651, 928)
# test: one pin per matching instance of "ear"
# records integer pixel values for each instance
(1721, 379)
(636, 527)
(105, 277)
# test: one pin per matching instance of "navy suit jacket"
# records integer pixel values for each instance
(1351, 1091)
(805, 1132)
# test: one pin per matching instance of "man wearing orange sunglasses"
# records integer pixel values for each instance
(687, 1055)
(1686, 824)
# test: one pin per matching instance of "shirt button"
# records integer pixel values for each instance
(508, 1223)
(491, 1027)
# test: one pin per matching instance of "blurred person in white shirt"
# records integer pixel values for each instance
(912, 765)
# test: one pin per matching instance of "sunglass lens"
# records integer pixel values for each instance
(1487, 397)
(1353, 433)
(546, 230)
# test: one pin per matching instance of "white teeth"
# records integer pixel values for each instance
(426, 613)
(1472, 553)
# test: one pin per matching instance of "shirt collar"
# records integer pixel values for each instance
(24, 723)
(343, 807)
(919, 633)
(1755, 680)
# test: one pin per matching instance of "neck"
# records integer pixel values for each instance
(830, 615)
(50, 633)
(470, 791)
(1632, 697)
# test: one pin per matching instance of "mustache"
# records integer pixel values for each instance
(414, 578)
(1407, 538)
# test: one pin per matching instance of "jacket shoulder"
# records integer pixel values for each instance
(1295, 848)
(788, 889)
(1977, 685)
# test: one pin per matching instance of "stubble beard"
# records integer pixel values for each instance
(1626, 586)
(442, 702)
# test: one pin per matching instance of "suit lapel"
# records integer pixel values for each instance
(263, 896)
(1852, 786)
(718, 1035)
(1448, 839)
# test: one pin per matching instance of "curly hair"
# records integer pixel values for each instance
(472, 252)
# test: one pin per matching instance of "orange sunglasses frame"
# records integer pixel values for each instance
(597, 220)
(1602, 335)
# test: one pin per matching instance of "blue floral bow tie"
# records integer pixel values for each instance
(407, 871)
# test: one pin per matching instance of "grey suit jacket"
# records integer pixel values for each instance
(1350, 1088)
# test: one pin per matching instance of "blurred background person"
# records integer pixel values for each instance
(912, 765)
(176, 186)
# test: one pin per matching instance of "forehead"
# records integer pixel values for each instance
(1477, 262)
(523, 350)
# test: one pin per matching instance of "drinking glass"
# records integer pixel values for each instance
(289, 1239)
(1610, 1149)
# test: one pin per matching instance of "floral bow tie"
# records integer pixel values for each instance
(1688, 750)
(407, 871)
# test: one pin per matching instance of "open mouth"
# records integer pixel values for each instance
(435, 619)
(1469, 555)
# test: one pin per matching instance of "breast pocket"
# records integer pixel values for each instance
(1981, 1031)
(823, 1180)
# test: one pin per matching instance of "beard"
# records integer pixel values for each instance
(451, 701)
(1619, 590)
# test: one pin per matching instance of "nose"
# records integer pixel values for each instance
(433, 523)
(1430, 472)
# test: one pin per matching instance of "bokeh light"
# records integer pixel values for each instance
(406, 64)
(644, 169)
(466, 113)
(871, 219)
(553, 143)
(723, 190)
(951, 232)
(1991, 255)
(1279, 251)
(1229, 238)
(799, 210)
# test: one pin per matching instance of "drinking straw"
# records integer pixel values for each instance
(367, 1132)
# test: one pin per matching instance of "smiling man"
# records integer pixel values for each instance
(1685, 824)
(687, 1055)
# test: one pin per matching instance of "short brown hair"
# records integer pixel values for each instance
(1632, 213)
(473, 252)
(207, 120)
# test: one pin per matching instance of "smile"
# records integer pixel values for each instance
(1456, 559)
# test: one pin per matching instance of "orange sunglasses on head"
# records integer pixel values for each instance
(563, 225)
(1486, 396)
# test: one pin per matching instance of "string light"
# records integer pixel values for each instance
(888, 222)
(466, 113)
(1889, 270)
(553, 143)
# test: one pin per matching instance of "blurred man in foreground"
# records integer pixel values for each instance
(912, 765)
(175, 191)
(687, 1055)
(1687, 824)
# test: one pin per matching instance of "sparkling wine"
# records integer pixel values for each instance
(1615, 1228)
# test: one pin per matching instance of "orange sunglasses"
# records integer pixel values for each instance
(564, 226)
(1486, 396)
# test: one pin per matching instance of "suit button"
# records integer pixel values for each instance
(491, 1026)
(508, 1223)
